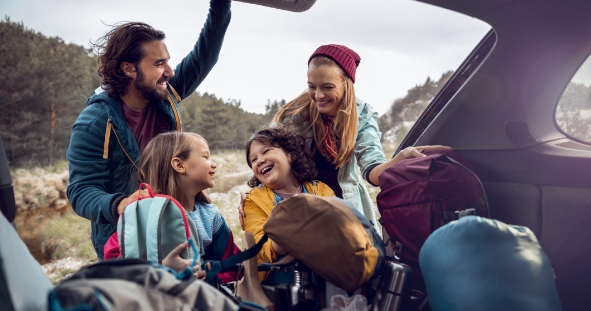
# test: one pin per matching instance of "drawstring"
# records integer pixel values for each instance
(107, 139)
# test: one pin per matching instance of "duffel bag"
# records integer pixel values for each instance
(329, 236)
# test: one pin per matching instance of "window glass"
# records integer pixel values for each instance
(573, 113)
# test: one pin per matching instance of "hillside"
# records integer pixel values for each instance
(395, 123)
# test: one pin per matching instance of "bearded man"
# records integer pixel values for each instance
(138, 99)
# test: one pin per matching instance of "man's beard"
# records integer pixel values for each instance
(149, 92)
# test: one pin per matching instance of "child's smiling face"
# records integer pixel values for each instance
(199, 168)
(272, 167)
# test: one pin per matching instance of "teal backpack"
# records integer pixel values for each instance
(153, 226)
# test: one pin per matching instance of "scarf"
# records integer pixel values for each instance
(330, 142)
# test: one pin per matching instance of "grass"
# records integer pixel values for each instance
(68, 236)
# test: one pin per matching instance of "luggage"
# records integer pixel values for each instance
(420, 195)
(135, 284)
(150, 228)
(482, 264)
(328, 236)
(23, 284)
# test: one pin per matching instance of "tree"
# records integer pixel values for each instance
(44, 83)
(573, 113)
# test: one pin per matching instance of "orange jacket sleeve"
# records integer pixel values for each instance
(254, 221)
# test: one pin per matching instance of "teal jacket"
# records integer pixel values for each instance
(103, 153)
(367, 155)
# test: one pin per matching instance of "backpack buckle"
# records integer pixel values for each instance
(398, 250)
(466, 212)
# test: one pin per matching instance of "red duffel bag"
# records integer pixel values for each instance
(420, 195)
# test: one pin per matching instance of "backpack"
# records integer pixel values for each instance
(483, 264)
(135, 284)
(420, 195)
(150, 228)
(329, 236)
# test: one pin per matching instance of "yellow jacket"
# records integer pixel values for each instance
(258, 205)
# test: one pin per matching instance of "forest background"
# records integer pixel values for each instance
(44, 83)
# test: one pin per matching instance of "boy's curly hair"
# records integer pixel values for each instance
(294, 146)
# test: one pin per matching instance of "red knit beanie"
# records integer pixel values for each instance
(346, 58)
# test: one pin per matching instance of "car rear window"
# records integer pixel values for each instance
(573, 113)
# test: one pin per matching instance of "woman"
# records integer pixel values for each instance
(340, 129)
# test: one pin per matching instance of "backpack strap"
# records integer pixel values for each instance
(173, 106)
(129, 237)
(153, 232)
(213, 267)
(473, 209)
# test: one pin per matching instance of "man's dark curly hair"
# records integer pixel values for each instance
(294, 146)
(124, 43)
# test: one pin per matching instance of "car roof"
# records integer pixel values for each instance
(540, 45)
(288, 5)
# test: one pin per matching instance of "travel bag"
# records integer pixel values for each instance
(477, 263)
(135, 284)
(328, 236)
(150, 228)
(419, 195)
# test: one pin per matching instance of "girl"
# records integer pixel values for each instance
(341, 130)
(282, 168)
(179, 164)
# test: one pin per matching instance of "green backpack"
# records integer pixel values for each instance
(153, 226)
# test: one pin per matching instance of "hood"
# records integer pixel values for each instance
(100, 95)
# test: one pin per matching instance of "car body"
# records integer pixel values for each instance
(499, 111)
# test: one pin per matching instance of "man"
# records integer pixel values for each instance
(138, 99)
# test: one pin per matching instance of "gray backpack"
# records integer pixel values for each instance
(135, 284)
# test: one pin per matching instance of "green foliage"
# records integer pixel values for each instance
(68, 236)
(43, 85)
(225, 125)
(573, 113)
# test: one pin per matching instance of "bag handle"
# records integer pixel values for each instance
(178, 204)
(472, 210)
(213, 267)
(150, 192)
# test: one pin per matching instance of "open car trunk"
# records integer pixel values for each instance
(498, 110)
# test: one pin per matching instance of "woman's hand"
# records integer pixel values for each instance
(417, 152)
(241, 210)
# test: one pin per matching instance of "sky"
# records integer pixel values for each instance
(265, 51)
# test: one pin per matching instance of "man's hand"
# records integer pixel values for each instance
(134, 196)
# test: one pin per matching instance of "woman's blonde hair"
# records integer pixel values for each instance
(302, 111)
(156, 169)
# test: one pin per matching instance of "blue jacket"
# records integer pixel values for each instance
(103, 153)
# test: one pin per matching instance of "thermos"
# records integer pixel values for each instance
(393, 286)
(303, 288)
